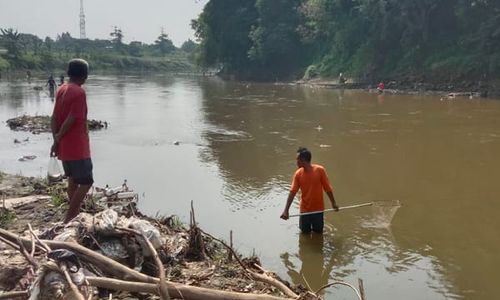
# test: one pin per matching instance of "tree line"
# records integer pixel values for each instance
(417, 40)
(28, 51)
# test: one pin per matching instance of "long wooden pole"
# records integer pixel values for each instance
(331, 209)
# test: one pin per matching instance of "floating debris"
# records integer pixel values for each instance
(39, 124)
(27, 158)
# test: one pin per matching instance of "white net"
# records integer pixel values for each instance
(383, 212)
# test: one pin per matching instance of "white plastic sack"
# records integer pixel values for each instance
(151, 232)
(106, 221)
(54, 171)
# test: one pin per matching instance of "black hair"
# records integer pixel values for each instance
(304, 154)
(78, 67)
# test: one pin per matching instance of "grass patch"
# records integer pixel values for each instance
(6, 217)
(58, 195)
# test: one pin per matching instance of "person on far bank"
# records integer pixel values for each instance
(381, 87)
(70, 133)
(311, 180)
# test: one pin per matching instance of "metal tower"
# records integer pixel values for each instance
(82, 21)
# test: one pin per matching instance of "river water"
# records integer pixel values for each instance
(236, 156)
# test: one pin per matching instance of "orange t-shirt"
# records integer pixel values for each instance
(311, 185)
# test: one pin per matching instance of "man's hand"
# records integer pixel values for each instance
(335, 207)
(53, 150)
(285, 215)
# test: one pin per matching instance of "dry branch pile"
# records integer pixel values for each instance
(112, 249)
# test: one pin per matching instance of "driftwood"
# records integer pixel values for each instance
(177, 290)
(13, 295)
(257, 276)
(162, 285)
(140, 281)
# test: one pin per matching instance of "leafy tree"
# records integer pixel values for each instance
(276, 43)
(10, 40)
(223, 30)
(134, 48)
(117, 38)
(189, 46)
(163, 44)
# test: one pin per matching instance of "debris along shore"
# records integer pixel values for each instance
(111, 248)
(409, 87)
(39, 124)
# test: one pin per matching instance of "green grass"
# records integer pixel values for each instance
(6, 217)
(58, 195)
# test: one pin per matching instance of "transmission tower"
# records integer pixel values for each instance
(82, 21)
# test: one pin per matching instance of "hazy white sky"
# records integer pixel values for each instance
(139, 19)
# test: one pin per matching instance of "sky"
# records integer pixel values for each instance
(139, 20)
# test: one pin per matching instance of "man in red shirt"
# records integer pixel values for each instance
(70, 133)
(311, 179)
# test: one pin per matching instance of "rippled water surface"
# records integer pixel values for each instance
(236, 155)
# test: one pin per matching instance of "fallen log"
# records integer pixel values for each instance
(13, 295)
(15, 202)
(162, 285)
(177, 290)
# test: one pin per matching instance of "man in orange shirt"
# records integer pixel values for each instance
(311, 179)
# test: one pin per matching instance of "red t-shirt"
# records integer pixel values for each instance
(71, 100)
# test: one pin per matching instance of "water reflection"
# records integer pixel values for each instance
(316, 262)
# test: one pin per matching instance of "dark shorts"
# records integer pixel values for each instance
(79, 170)
(312, 222)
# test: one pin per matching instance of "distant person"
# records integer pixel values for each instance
(61, 79)
(311, 180)
(71, 139)
(342, 79)
(381, 87)
(28, 76)
(52, 86)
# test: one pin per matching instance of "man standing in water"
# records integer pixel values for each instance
(311, 179)
(70, 133)
(52, 85)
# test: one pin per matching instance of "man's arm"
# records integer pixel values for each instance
(58, 134)
(289, 201)
(54, 129)
(70, 120)
(332, 200)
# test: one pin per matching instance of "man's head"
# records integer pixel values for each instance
(78, 70)
(303, 157)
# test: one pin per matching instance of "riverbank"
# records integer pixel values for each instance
(198, 265)
(471, 89)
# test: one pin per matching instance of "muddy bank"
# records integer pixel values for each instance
(195, 263)
(39, 124)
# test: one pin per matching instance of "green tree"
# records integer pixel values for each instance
(223, 30)
(163, 44)
(189, 46)
(10, 40)
(276, 42)
(117, 38)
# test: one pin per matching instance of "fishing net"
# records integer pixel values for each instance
(383, 212)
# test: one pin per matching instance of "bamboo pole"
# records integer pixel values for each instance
(332, 209)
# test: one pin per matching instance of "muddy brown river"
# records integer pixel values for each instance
(235, 156)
